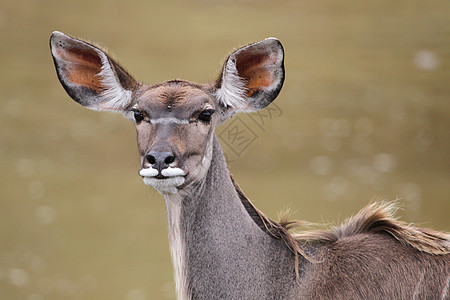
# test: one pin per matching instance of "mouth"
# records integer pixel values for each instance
(165, 182)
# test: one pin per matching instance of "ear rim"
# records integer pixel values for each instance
(114, 97)
(231, 91)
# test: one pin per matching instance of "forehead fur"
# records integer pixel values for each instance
(173, 95)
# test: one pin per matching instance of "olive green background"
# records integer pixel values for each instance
(363, 115)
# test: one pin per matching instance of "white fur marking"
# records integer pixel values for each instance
(169, 120)
(149, 172)
(172, 172)
(232, 91)
(177, 245)
(114, 96)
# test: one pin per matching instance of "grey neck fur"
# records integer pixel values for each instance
(216, 246)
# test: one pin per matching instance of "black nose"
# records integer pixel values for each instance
(160, 160)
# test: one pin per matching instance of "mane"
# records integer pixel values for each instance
(376, 218)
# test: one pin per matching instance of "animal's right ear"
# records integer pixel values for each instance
(89, 75)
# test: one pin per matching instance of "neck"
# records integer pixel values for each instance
(218, 249)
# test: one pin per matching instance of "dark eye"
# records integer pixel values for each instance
(205, 116)
(138, 116)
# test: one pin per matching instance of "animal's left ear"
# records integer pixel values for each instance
(252, 76)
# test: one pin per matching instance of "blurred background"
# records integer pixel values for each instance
(363, 115)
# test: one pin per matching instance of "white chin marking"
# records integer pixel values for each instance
(165, 186)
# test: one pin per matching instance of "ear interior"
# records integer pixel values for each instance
(255, 69)
(252, 76)
(80, 65)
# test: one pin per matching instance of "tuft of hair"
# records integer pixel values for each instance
(380, 218)
(377, 218)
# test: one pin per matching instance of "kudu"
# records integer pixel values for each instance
(222, 247)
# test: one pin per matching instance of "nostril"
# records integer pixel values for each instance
(169, 159)
(151, 159)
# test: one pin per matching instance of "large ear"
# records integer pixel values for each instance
(89, 75)
(252, 76)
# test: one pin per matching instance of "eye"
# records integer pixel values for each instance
(138, 116)
(205, 116)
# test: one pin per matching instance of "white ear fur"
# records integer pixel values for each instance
(115, 96)
(232, 91)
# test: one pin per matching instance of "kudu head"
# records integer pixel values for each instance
(174, 120)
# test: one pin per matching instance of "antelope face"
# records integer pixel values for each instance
(174, 120)
(174, 124)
